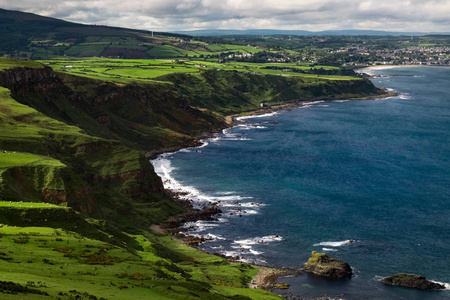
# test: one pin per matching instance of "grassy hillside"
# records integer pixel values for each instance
(180, 106)
(25, 35)
(77, 194)
(40, 262)
(75, 210)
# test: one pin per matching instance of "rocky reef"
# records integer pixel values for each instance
(412, 281)
(326, 266)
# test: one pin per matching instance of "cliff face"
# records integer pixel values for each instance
(104, 173)
(96, 176)
(25, 80)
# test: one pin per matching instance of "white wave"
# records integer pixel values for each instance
(217, 247)
(252, 204)
(312, 103)
(230, 253)
(404, 96)
(164, 169)
(200, 226)
(238, 139)
(369, 71)
(204, 144)
(323, 105)
(257, 116)
(208, 236)
(245, 250)
(230, 198)
(335, 244)
(260, 240)
(254, 252)
(241, 246)
(341, 101)
(447, 285)
(329, 250)
(242, 212)
(215, 237)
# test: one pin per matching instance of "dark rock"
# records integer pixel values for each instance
(412, 281)
(329, 267)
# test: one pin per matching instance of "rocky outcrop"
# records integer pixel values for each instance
(412, 281)
(25, 80)
(326, 266)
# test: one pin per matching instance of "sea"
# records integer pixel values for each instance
(365, 181)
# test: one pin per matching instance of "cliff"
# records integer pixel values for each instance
(118, 122)
(78, 143)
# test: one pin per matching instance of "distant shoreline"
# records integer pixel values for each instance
(359, 70)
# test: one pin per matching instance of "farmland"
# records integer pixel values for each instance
(142, 70)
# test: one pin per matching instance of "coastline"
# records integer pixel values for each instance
(232, 120)
(380, 67)
(267, 275)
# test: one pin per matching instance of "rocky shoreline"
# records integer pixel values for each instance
(266, 276)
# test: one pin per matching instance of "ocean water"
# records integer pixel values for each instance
(367, 182)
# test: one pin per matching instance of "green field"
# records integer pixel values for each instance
(41, 262)
(12, 63)
(128, 70)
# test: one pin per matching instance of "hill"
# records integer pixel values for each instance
(29, 36)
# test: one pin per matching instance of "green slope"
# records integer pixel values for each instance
(76, 201)
(59, 251)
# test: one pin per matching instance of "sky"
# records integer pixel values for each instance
(312, 15)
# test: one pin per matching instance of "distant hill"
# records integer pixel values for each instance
(38, 37)
(228, 32)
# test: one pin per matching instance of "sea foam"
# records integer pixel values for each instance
(335, 244)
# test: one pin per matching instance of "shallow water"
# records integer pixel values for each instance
(314, 178)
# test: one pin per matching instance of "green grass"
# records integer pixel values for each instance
(164, 52)
(6, 63)
(24, 205)
(123, 70)
(13, 159)
(64, 264)
(86, 50)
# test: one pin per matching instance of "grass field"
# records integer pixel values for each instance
(127, 70)
(13, 159)
(12, 63)
(48, 263)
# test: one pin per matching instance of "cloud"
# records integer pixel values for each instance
(315, 15)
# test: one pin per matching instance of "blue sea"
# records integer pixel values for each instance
(367, 182)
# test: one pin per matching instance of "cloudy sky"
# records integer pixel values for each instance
(313, 15)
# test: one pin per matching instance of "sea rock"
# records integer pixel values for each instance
(412, 281)
(326, 266)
